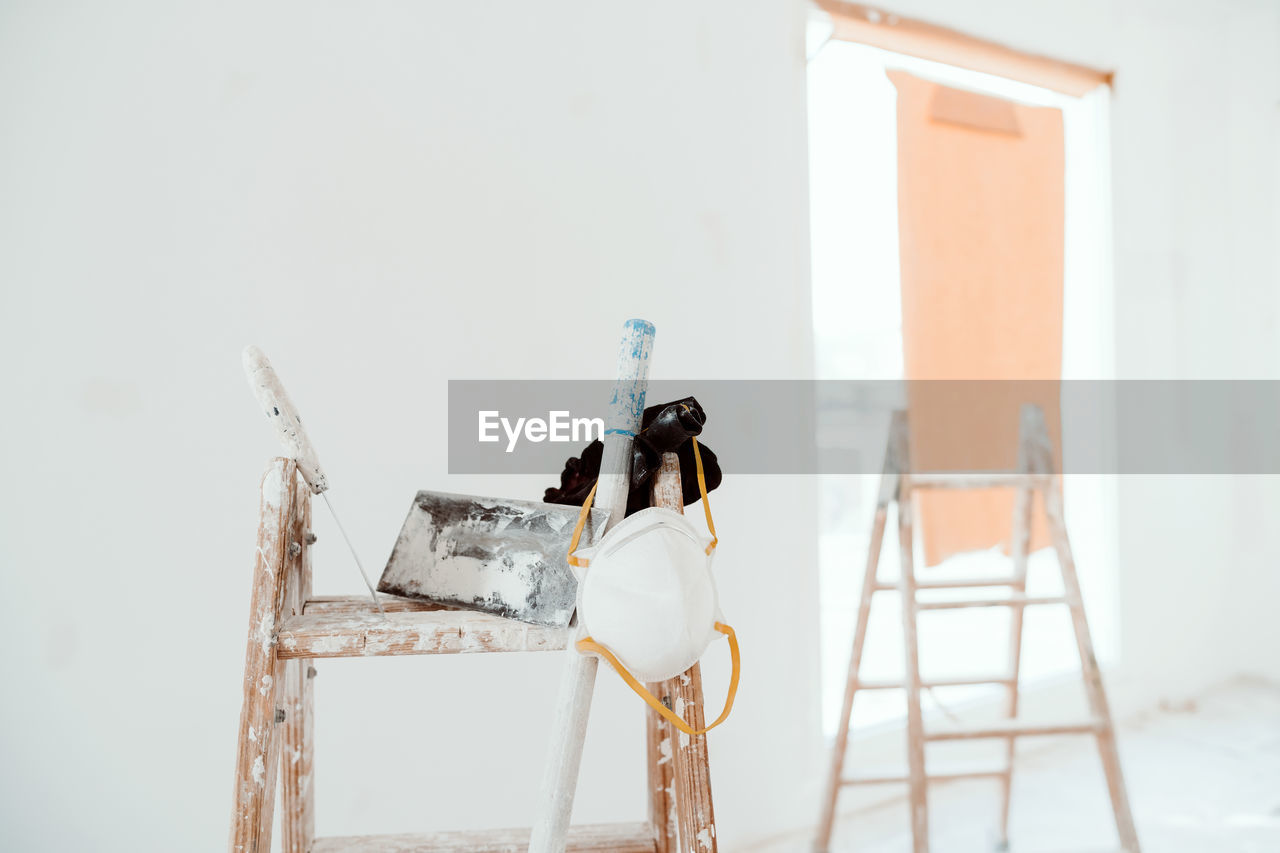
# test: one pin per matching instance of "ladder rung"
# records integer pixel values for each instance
(361, 605)
(959, 772)
(964, 583)
(1017, 598)
(972, 481)
(597, 838)
(937, 682)
(358, 630)
(1015, 728)
(956, 583)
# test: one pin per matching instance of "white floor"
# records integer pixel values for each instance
(1204, 778)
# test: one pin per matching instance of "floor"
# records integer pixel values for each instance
(1202, 778)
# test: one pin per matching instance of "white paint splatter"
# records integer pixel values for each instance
(664, 750)
(259, 772)
(427, 641)
(266, 564)
(331, 644)
(704, 838)
(266, 685)
(264, 631)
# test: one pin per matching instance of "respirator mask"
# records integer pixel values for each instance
(648, 604)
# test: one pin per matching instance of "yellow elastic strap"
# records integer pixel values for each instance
(582, 522)
(590, 646)
(702, 487)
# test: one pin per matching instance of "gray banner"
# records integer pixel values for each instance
(840, 427)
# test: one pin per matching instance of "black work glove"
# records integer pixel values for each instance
(664, 428)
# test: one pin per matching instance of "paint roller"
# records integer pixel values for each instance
(282, 414)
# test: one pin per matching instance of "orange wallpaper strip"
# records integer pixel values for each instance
(980, 214)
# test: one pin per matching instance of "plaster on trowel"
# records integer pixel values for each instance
(279, 409)
(499, 556)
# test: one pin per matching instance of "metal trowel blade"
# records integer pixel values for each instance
(494, 555)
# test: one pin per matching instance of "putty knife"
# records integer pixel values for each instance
(499, 556)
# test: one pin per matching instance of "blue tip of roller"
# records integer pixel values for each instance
(644, 327)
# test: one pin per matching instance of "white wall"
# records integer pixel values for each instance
(481, 190)
(383, 196)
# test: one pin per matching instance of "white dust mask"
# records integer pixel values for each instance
(648, 603)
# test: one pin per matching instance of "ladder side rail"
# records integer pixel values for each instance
(690, 765)
(918, 782)
(660, 775)
(1094, 689)
(1020, 545)
(886, 495)
(297, 759)
(258, 749)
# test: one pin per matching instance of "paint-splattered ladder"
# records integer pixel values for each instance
(289, 629)
(1035, 473)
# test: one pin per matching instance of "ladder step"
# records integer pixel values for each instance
(336, 628)
(953, 583)
(972, 481)
(1017, 598)
(959, 681)
(900, 775)
(597, 838)
(1015, 728)
(361, 605)
(963, 583)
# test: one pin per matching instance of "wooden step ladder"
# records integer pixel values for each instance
(1036, 472)
(289, 629)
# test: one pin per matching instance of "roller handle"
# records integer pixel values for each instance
(275, 402)
(626, 410)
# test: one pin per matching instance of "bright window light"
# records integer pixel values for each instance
(858, 335)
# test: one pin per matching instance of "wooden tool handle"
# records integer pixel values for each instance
(279, 409)
(560, 776)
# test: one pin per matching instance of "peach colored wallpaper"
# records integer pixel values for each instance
(980, 209)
